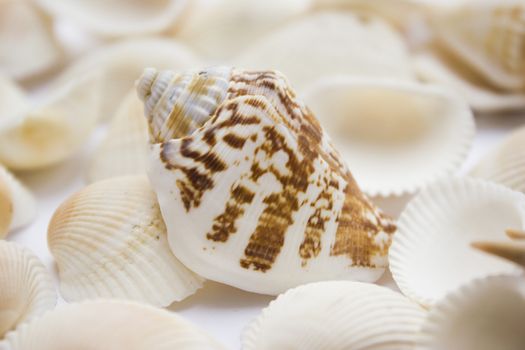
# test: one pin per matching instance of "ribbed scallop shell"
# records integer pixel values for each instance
(251, 189)
(383, 127)
(336, 315)
(485, 314)
(109, 324)
(26, 288)
(124, 150)
(431, 254)
(506, 163)
(109, 241)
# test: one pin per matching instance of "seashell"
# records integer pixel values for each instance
(431, 253)
(109, 241)
(336, 315)
(384, 127)
(505, 164)
(486, 314)
(17, 204)
(115, 18)
(24, 33)
(212, 28)
(26, 289)
(343, 44)
(124, 150)
(52, 130)
(12, 99)
(511, 251)
(114, 324)
(120, 64)
(242, 164)
(488, 37)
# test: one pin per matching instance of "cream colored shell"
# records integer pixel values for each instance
(26, 288)
(109, 241)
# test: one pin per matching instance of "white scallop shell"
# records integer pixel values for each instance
(431, 253)
(53, 129)
(125, 149)
(109, 241)
(26, 40)
(336, 315)
(384, 127)
(331, 43)
(26, 288)
(486, 314)
(505, 164)
(109, 324)
(118, 18)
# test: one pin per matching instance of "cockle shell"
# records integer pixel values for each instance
(25, 33)
(109, 324)
(330, 43)
(251, 189)
(431, 254)
(505, 164)
(124, 150)
(385, 127)
(26, 288)
(118, 18)
(336, 315)
(109, 241)
(489, 37)
(486, 314)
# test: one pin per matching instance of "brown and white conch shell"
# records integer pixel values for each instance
(251, 189)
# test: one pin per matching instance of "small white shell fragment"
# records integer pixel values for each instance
(52, 130)
(26, 40)
(336, 315)
(26, 288)
(125, 149)
(118, 18)
(330, 43)
(505, 164)
(109, 241)
(431, 254)
(486, 314)
(386, 130)
(109, 324)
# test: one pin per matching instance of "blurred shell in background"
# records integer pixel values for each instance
(118, 17)
(26, 287)
(27, 45)
(125, 149)
(388, 130)
(336, 315)
(109, 324)
(109, 241)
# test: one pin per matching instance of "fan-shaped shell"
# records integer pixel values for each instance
(486, 314)
(26, 289)
(384, 127)
(336, 315)
(431, 254)
(242, 164)
(109, 324)
(124, 150)
(109, 241)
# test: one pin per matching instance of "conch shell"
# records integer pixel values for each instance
(251, 189)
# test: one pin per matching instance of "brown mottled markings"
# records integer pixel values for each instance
(234, 141)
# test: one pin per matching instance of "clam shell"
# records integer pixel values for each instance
(109, 241)
(109, 324)
(124, 150)
(431, 254)
(252, 191)
(330, 43)
(486, 314)
(505, 164)
(336, 315)
(384, 127)
(26, 289)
